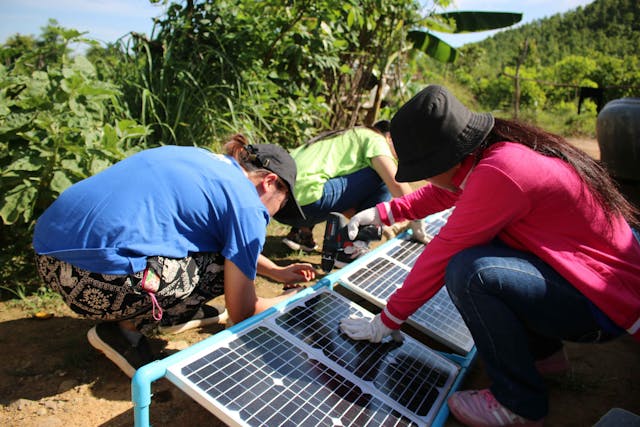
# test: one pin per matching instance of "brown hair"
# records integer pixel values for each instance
(239, 148)
(592, 173)
(236, 147)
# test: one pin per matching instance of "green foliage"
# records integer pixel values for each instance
(610, 27)
(455, 22)
(563, 119)
(471, 21)
(588, 47)
(17, 270)
(58, 124)
(215, 68)
(211, 69)
(54, 132)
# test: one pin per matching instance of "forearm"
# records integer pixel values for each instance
(399, 189)
(423, 281)
(267, 268)
(386, 168)
(417, 205)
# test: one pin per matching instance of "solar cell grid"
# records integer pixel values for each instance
(432, 228)
(297, 368)
(406, 252)
(445, 319)
(384, 273)
(377, 275)
(368, 362)
(263, 380)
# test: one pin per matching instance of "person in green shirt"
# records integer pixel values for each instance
(342, 171)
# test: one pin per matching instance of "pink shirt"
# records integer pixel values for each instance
(532, 203)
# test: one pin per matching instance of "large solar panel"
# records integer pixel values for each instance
(384, 271)
(296, 368)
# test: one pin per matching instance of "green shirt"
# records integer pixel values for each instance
(335, 156)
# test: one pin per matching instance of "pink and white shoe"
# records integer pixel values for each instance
(479, 408)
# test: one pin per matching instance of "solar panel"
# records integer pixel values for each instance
(296, 368)
(433, 223)
(384, 272)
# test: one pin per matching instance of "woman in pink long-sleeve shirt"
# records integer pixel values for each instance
(537, 250)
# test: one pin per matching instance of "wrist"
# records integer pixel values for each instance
(389, 320)
(272, 273)
(384, 213)
(379, 330)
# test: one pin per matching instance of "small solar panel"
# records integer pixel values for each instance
(296, 368)
(385, 271)
(433, 223)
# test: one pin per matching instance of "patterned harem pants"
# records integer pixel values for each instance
(185, 285)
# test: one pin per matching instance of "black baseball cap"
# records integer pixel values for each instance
(433, 132)
(276, 159)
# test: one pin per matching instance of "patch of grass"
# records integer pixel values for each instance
(42, 300)
(563, 120)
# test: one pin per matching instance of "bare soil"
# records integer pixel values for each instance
(50, 376)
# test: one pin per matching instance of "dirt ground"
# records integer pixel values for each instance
(50, 376)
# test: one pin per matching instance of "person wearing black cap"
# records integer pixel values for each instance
(342, 171)
(538, 250)
(151, 239)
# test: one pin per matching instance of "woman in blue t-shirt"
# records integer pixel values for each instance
(154, 237)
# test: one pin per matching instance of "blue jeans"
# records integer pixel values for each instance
(519, 310)
(360, 190)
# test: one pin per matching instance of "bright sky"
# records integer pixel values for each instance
(108, 20)
(104, 20)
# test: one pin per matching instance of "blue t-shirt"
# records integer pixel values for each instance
(168, 201)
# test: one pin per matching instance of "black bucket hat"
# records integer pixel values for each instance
(276, 159)
(433, 132)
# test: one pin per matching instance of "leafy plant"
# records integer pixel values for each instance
(214, 68)
(200, 76)
(59, 123)
(55, 130)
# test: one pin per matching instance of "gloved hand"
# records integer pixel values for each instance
(419, 234)
(361, 328)
(365, 217)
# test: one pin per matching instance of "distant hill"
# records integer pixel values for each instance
(610, 27)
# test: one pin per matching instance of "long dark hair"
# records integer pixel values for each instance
(592, 173)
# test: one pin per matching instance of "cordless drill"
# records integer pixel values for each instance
(336, 238)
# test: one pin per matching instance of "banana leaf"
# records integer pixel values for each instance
(432, 46)
(470, 22)
(456, 23)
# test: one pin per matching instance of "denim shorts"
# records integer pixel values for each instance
(359, 190)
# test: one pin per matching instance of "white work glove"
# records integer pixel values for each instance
(419, 234)
(365, 217)
(362, 328)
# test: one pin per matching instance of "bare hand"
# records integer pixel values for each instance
(295, 273)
